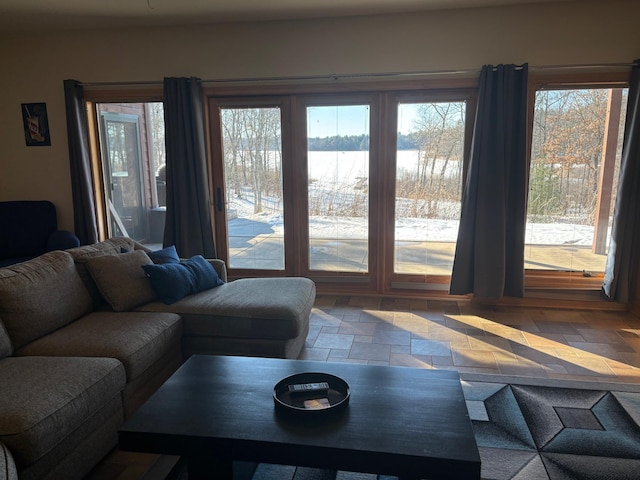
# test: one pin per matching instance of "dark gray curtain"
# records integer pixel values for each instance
(489, 259)
(84, 215)
(188, 220)
(623, 257)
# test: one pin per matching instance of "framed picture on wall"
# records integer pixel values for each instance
(36, 124)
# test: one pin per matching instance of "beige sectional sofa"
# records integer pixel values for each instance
(84, 341)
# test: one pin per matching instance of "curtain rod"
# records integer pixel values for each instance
(336, 77)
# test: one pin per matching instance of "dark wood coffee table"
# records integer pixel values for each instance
(408, 422)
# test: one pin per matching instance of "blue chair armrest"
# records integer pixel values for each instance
(62, 240)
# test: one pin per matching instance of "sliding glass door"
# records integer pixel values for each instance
(338, 187)
(252, 162)
(575, 162)
(429, 171)
(359, 190)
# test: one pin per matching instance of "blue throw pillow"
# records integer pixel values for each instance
(165, 255)
(174, 281)
(205, 275)
(170, 281)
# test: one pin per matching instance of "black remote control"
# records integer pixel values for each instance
(308, 387)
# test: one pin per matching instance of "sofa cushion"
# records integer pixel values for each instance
(6, 347)
(81, 255)
(40, 296)
(121, 279)
(173, 281)
(276, 308)
(137, 339)
(45, 399)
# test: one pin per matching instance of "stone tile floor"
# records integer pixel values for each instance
(587, 345)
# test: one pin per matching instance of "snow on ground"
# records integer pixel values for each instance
(416, 229)
(347, 167)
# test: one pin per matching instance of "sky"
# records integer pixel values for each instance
(329, 121)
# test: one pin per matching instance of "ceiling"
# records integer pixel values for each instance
(30, 15)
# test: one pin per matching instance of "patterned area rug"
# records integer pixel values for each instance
(554, 432)
(545, 430)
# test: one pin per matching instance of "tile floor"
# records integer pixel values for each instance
(588, 345)
(585, 345)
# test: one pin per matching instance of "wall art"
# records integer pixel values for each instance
(36, 124)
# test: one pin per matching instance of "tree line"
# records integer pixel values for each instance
(358, 143)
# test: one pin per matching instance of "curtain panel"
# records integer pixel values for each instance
(188, 220)
(621, 271)
(84, 215)
(489, 257)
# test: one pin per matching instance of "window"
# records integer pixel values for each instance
(308, 185)
(252, 159)
(338, 187)
(429, 172)
(575, 157)
(361, 189)
(132, 162)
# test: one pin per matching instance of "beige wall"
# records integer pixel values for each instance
(35, 64)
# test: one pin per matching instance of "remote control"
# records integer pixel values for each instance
(308, 387)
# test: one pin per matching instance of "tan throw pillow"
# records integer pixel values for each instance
(121, 279)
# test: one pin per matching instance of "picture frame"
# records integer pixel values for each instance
(36, 124)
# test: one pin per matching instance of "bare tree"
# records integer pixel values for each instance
(252, 152)
(439, 129)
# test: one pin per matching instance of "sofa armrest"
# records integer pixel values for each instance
(62, 240)
(220, 267)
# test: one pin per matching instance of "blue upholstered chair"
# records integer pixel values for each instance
(29, 229)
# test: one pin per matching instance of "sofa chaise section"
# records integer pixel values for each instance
(266, 317)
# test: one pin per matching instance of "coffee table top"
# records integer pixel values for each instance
(399, 421)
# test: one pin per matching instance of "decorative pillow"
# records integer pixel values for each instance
(206, 275)
(120, 279)
(173, 281)
(166, 255)
(170, 281)
(82, 255)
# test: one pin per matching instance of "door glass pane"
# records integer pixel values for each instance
(252, 151)
(338, 176)
(575, 158)
(429, 169)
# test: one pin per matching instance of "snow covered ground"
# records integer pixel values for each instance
(345, 168)
(417, 229)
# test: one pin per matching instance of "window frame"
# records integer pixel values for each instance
(555, 280)
(217, 179)
(537, 282)
(383, 96)
(408, 283)
(92, 97)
